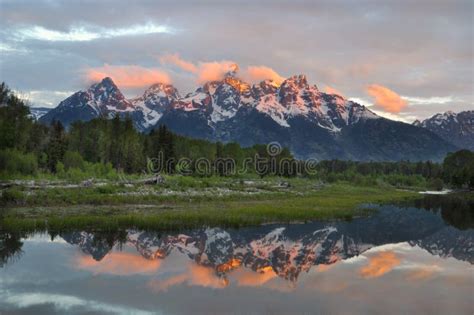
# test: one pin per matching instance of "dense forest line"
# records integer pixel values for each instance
(106, 147)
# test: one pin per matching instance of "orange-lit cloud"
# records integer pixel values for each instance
(213, 71)
(323, 267)
(205, 71)
(128, 76)
(194, 274)
(386, 99)
(330, 90)
(329, 286)
(250, 278)
(423, 273)
(164, 285)
(174, 59)
(380, 264)
(119, 263)
(254, 74)
(205, 277)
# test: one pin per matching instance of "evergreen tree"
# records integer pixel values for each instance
(15, 123)
(57, 145)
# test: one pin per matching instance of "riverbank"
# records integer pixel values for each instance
(184, 202)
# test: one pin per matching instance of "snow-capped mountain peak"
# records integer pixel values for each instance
(106, 96)
(102, 99)
(161, 90)
(451, 126)
(298, 81)
(149, 107)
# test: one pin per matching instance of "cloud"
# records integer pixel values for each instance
(254, 74)
(250, 278)
(128, 76)
(119, 263)
(205, 277)
(87, 33)
(213, 71)
(64, 303)
(380, 264)
(44, 98)
(10, 49)
(194, 275)
(330, 90)
(165, 284)
(174, 59)
(386, 99)
(430, 100)
(204, 71)
(423, 273)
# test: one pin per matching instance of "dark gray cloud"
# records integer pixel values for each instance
(417, 49)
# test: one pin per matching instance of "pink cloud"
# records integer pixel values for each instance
(118, 263)
(330, 90)
(204, 71)
(386, 99)
(255, 74)
(130, 76)
(194, 275)
(380, 264)
(174, 59)
(213, 71)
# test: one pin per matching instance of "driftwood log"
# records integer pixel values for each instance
(156, 180)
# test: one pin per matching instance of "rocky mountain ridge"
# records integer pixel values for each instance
(457, 128)
(313, 124)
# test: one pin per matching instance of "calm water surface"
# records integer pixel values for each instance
(401, 260)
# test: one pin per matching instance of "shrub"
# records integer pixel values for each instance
(107, 189)
(76, 174)
(12, 195)
(60, 171)
(13, 161)
(436, 184)
(73, 159)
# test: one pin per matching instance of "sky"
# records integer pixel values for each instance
(405, 59)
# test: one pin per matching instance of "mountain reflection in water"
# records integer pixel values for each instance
(421, 243)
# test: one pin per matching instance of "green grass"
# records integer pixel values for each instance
(102, 208)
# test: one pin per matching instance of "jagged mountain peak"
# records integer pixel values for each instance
(265, 87)
(229, 79)
(162, 90)
(457, 128)
(106, 93)
(106, 84)
(107, 81)
(149, 107)
(296, 81)
(233, 69)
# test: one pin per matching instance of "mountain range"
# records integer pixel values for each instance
(457, 128)
(313, 124)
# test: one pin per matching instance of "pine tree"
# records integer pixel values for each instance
(57, 145)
